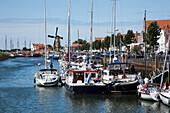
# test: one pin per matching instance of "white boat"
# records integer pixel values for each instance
(165, 97)
(148, 91)
(154, 93)
(47, 77)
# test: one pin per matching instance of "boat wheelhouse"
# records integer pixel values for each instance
(84, 82)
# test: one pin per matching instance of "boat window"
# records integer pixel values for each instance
(105, 73)
(93, 75)
(86, 74)
(75, 75)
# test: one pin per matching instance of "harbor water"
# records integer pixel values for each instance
(18, 93)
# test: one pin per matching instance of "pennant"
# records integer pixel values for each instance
(144, 88)
(164, 86)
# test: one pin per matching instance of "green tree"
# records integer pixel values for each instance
(153, 32)
(107, 42)
(80, 41)
(97, 44)
(129, 37)
(136, 49)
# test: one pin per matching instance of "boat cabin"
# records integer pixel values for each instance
(82, 76)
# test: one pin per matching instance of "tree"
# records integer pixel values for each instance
(80, 41)
(97, 44)
(153, 32)
(136, 49)
(107, 42)
(129, 37)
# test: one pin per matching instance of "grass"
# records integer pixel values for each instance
(3, 54)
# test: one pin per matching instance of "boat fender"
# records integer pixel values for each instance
(38, 76)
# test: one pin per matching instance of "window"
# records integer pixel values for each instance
(93, 75)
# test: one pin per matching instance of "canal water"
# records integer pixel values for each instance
(18, 94)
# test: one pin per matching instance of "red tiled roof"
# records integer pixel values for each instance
(161, 23)
(76, 44)
(123, 35)
(99, 38)
(40, 45)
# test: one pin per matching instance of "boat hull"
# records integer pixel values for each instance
(86, 89)
(145, 96)
(46, 84)
(123, 88)
(165, 99)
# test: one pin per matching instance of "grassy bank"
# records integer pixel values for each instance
(4, 56)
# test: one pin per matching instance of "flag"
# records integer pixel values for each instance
(164, 86)
(89, 77)
(144, 88)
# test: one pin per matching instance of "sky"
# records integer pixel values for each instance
(24, 19)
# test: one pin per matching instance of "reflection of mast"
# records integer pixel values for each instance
(5, 43)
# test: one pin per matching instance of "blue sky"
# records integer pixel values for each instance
(20, 19)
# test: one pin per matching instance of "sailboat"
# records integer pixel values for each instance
(84, 80)
(122, 79)
(46, 77)
(165, 93)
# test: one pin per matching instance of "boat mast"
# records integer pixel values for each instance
(111, 33)
(114, 26)
(145, 42)
(69, 33)
(164, 63)
(91, 31)
(78, 39)
(45, 34)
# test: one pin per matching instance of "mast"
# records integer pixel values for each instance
(5, 43)
(145, 42)
(78, 39)
(111, 33)
(91, 31)
(45, 34)
(164, 64)
(114, 26)
(69, 33)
